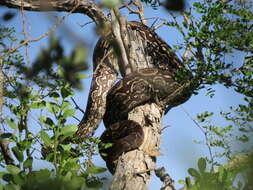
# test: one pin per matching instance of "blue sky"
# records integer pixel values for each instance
(179, 152)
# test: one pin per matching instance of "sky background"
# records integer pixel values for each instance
(179, 151)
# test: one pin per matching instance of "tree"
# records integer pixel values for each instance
(206, 42)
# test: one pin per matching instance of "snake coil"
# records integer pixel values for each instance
(145, 85)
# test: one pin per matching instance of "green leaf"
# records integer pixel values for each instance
(52, 107)
(13, 169)
(28, 163)
(45, 137)
(69, 113)
(66, 147)
(42, 175)
(222, 174)
(68, 130)
(18, 179)
(107, 145)
(79, 55)
(54, 95)
(202, 165)
(11, 123)
(95, 170)
(6, 135)
(18, 154)
(76, 182)
(243, 138)
(110, 3)
(181, 181)
(38, 104)
(66, 92)
(49, 122)
(8, 177)
(11, 187)
(94, 184)
(10, 94)
(2, 174)
(68, 176)
(194, 173)
(82, 76)
(65, 105)
(188, 182)
(71, 164)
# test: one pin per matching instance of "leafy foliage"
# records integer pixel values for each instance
(211, 30)
(50, 99)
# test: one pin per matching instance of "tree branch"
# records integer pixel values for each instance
(120, 33)
(4, 147)
(168, 183)
(139, 11)
(27, 41)
(90, 8)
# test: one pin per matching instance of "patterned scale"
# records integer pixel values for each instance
(155, 84)
(151, 82)
(105, 71)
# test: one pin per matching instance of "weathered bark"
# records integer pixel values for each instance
(89, 8)
(168, 183)
(134, 168)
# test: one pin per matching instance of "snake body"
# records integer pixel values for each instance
(151, 82)
(106, 70)
(150, 85)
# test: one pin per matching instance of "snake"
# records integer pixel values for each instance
(111, 100)
(148, 85)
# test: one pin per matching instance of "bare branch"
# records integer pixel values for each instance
(89, 8)
(120, 33)
(26, 41)
(24, 28)
(139, 11)
(138, 4)
(168, 183)
(206, 137)
(4, 145)
(77, 107)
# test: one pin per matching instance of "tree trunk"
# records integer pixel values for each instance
(134, 168)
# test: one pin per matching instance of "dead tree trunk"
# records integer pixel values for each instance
(134, 168)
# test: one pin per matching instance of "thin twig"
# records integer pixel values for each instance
(205, 134)
(87, 23)
(25, 42)
(165, 127)
(153, 24)
(77, 107)
(76, 119)
(24, 26)
(144, 171)
(139, 11)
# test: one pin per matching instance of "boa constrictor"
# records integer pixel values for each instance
(149, 85)
(152, 82)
